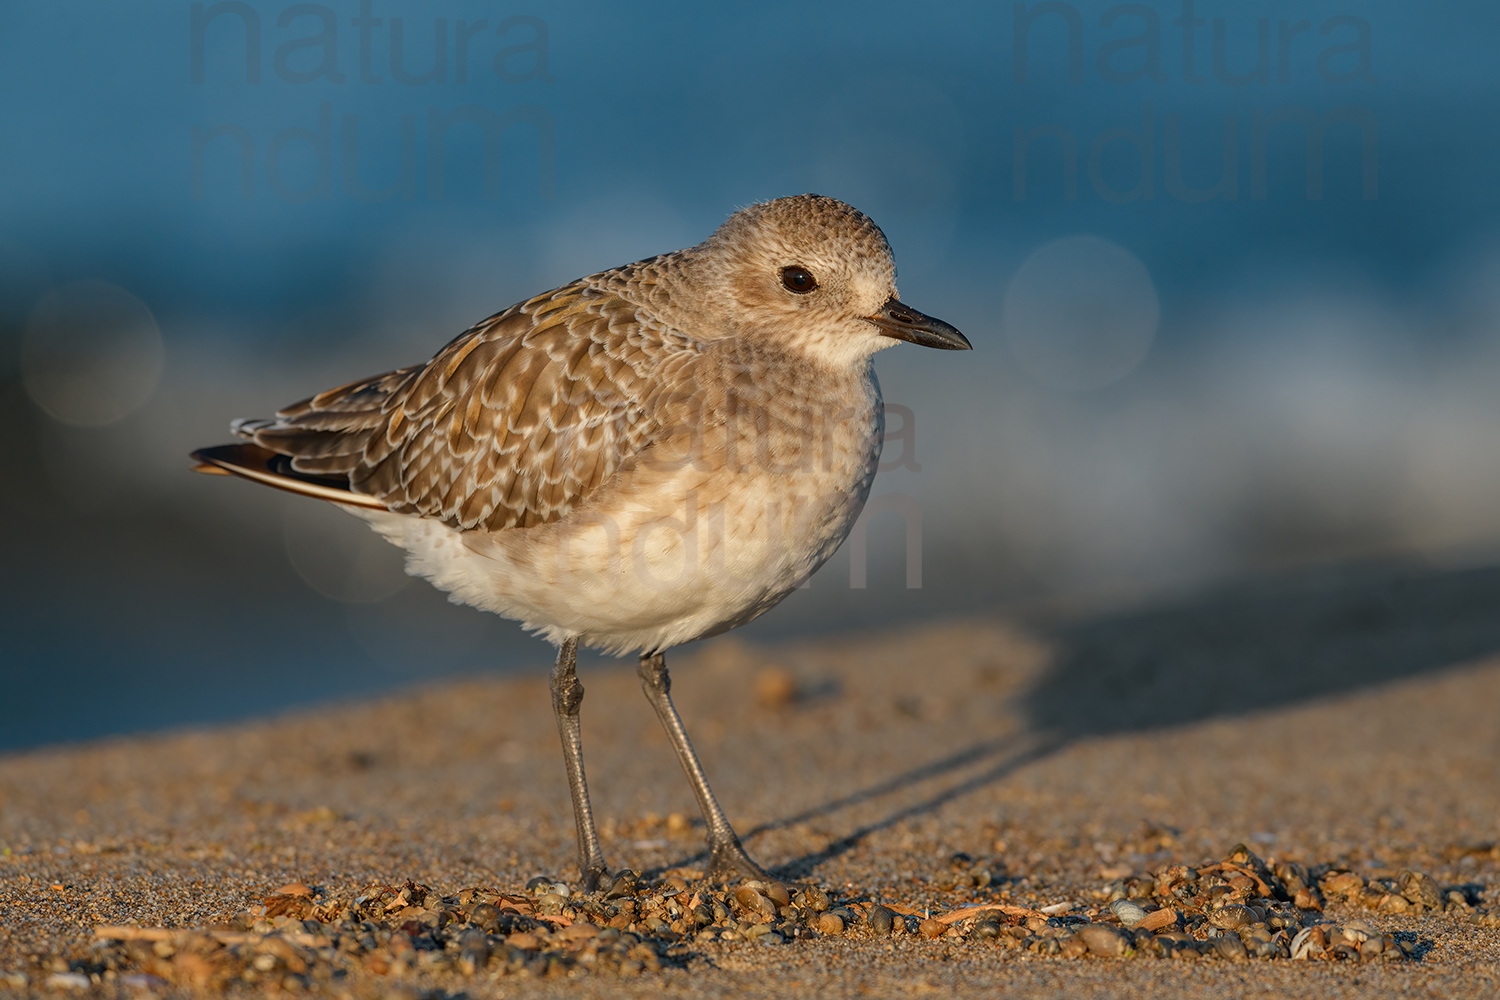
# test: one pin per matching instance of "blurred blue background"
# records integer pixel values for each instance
(1232, 273)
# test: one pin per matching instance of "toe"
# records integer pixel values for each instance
(731, 861)
(593, 877)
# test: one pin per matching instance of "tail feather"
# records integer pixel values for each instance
(246, 427)
(323, 438)
(262, 465)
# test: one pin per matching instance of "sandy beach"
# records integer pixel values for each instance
(1344, 724)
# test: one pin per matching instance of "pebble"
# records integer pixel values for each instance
(1128, 913)
(1103, 940)
(486, 917)
(1304, 899)
(775, 688)
(624, 884)
(634, 927)
(1159, 920)
(1343, 884)
(930, 928)
(1420, 888)
(473, 951)
(134, 981)
(68, 981)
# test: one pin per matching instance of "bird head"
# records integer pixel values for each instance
(816, 274)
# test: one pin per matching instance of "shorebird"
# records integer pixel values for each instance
(642, 457)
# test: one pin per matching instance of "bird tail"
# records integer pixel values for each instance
(269, 468)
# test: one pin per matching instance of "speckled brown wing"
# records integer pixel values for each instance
(512, 424)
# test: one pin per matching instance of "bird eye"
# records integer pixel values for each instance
(798, 279)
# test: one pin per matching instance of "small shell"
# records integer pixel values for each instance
(1128, 913)
(1230, 946)
(1420, 888)
(1232, 917)
(1309, 943)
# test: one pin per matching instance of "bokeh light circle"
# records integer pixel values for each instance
(1081, 313)
(91, 353)
(339, 556)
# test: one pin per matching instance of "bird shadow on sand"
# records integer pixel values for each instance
(1251, 646)
(1007, 755)
(1262, 644)
(1010, 755)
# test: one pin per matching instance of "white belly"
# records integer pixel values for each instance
(662, 556)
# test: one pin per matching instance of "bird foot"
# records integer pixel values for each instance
(593, 877)
(728, 860)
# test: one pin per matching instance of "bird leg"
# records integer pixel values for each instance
(567, 696)
(726, 855)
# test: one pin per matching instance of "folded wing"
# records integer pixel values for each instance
(512, 424)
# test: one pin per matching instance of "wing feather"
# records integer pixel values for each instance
(512, 424)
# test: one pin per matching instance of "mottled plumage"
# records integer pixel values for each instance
(511, 425)
(634, 460)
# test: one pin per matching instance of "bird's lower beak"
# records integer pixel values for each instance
(902, 322)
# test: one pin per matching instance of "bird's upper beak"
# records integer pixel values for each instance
(901, 321)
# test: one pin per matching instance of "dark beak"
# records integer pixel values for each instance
(902, 322)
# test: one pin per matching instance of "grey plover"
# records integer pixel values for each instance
(642, 457)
